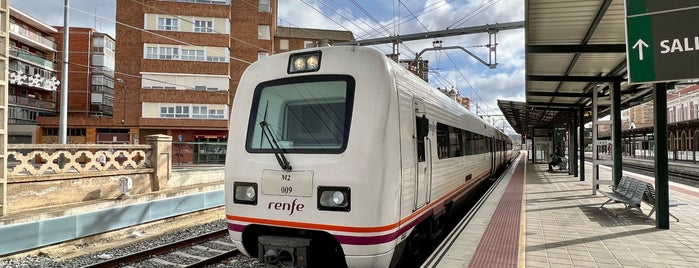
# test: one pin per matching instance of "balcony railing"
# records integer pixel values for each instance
(104, 109)
(33, 58)
(19, 100)
(102, 70)
(33, 36)
(103, 89)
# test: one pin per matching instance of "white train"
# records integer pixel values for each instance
(338, 156)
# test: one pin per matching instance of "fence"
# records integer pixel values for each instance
(54, 174)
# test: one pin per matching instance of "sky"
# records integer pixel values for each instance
(373, 19)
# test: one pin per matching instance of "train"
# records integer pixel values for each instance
(340, 157)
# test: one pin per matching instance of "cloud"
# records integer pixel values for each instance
(81, 13)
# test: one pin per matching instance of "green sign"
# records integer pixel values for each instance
(662, 40)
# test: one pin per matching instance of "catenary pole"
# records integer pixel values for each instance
(63, 119)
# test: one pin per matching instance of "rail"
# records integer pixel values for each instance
(175, 246)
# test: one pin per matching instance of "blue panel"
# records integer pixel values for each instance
(111, 219)
(24, 236)
(57, 230)
(18, 237)
(215, 198)
(178, 205)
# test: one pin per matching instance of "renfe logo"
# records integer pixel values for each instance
(291, 207)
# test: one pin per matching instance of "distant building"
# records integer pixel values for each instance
(90, 89)
(641, 115)
(290, 38)
(418, 67)
(683, 104)
(32, 76)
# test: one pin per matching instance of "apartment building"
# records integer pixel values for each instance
(288, 38)
(90, 90)
(178, 65)
(32, 76)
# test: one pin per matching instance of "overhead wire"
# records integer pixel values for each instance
(468, 82)
(473, 13)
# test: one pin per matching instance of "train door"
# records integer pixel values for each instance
(493, 156)
(423, 161)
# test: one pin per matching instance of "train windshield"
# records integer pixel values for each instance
(301, 115)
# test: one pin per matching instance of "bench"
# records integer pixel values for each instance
(629, 191)
(562, 166)
(649, 198)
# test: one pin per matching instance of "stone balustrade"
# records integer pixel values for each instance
(41, 175)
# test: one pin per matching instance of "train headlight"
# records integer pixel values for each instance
(245, 193)
(304, 62)
(334, 198)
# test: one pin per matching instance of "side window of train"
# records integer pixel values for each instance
(442, 141)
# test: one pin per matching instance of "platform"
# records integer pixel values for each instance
(540, 219)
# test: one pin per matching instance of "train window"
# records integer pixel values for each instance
(468, 143)
(455, 142)
(303, 115)
(442, 141)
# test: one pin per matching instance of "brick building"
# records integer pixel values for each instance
(90, 90)
(288, 38)
(32, 76)
(178, 77)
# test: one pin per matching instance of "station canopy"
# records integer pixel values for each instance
(573, 48)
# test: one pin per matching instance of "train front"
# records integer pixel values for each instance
(306, 161)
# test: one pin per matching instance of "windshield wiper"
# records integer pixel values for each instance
(278, 151)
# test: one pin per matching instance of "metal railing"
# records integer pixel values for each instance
(30, 102)
(33, 36)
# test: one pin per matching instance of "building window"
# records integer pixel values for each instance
(216, 114)
(182, 111)
(203, 26)
(174, 111)
(263, 32)
(264, 6)
(262, 55)
(199, 111)
(167, 111)
(168, 24)
(168, 53)
(190, 54)
(151, 52)
(283, 44)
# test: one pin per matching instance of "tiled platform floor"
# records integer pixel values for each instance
(562, 225)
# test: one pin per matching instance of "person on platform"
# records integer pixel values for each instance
(555, 159)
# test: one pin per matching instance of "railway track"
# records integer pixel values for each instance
(649, 170)
(207, 249)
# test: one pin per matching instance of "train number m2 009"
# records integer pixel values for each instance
(287, 183)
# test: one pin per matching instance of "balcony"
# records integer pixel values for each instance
(26, 56)
(103, 89)
(26, 33)
(101, 109)
(102, 70)
(30, 102)
(33, 81)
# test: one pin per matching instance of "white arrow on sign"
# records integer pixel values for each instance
(640, 44)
